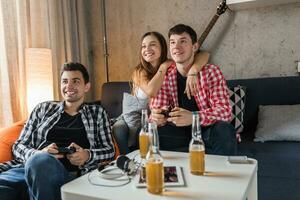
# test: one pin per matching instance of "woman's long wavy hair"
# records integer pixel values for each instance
(145, 66)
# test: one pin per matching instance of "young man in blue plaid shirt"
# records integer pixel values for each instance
(39, 169)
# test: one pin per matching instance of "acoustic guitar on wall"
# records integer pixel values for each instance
(220, 10)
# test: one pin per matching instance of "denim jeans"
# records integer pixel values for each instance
(13, 185)
(219, 138)
(121, 133)
(40, 178)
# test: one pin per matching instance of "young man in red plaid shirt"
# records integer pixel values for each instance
(210, 98)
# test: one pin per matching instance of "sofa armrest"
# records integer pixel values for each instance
(8, 136)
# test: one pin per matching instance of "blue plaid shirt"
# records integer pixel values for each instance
(45, 116)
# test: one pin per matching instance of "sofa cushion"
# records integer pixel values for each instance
(8, 136)
(237, 101)
(266, 91)
(278, 123)
(278, 167)
(274, 157)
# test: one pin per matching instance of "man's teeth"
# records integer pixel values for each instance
(178, 53)
(70, 93)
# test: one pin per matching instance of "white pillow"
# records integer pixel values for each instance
(278, 123)
(132, 112)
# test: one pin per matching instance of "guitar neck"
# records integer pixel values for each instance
(208, 29)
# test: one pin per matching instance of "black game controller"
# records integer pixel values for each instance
(166, 113)
(66, 150)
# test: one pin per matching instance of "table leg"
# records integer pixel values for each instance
(252, 192)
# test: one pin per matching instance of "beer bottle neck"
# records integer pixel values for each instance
(153, 138)
(196, 128)
(144, 121)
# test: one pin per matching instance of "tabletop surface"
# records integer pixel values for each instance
(222, 180)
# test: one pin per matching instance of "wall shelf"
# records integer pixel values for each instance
(249, 4)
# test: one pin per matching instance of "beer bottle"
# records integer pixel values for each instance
(143, 136)
(154, 163)
(197, 148)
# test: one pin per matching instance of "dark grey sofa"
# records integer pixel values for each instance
(278, 162)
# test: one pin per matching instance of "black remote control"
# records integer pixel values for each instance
(66, 150)
(166, 112)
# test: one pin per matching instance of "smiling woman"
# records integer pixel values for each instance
(147, 79)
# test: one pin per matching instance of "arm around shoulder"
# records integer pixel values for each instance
(200, 60)
(152, 87)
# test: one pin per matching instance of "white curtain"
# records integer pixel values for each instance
(13, 39)
(55, 24)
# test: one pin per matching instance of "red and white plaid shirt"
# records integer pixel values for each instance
(212, 98)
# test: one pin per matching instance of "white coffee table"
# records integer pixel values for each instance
(223, 181)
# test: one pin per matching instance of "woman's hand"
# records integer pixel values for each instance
(200, 60)
(191, 83)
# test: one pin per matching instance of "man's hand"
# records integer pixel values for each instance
(52, 149)
(180, 117)
(79, 157)
(159, 118)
